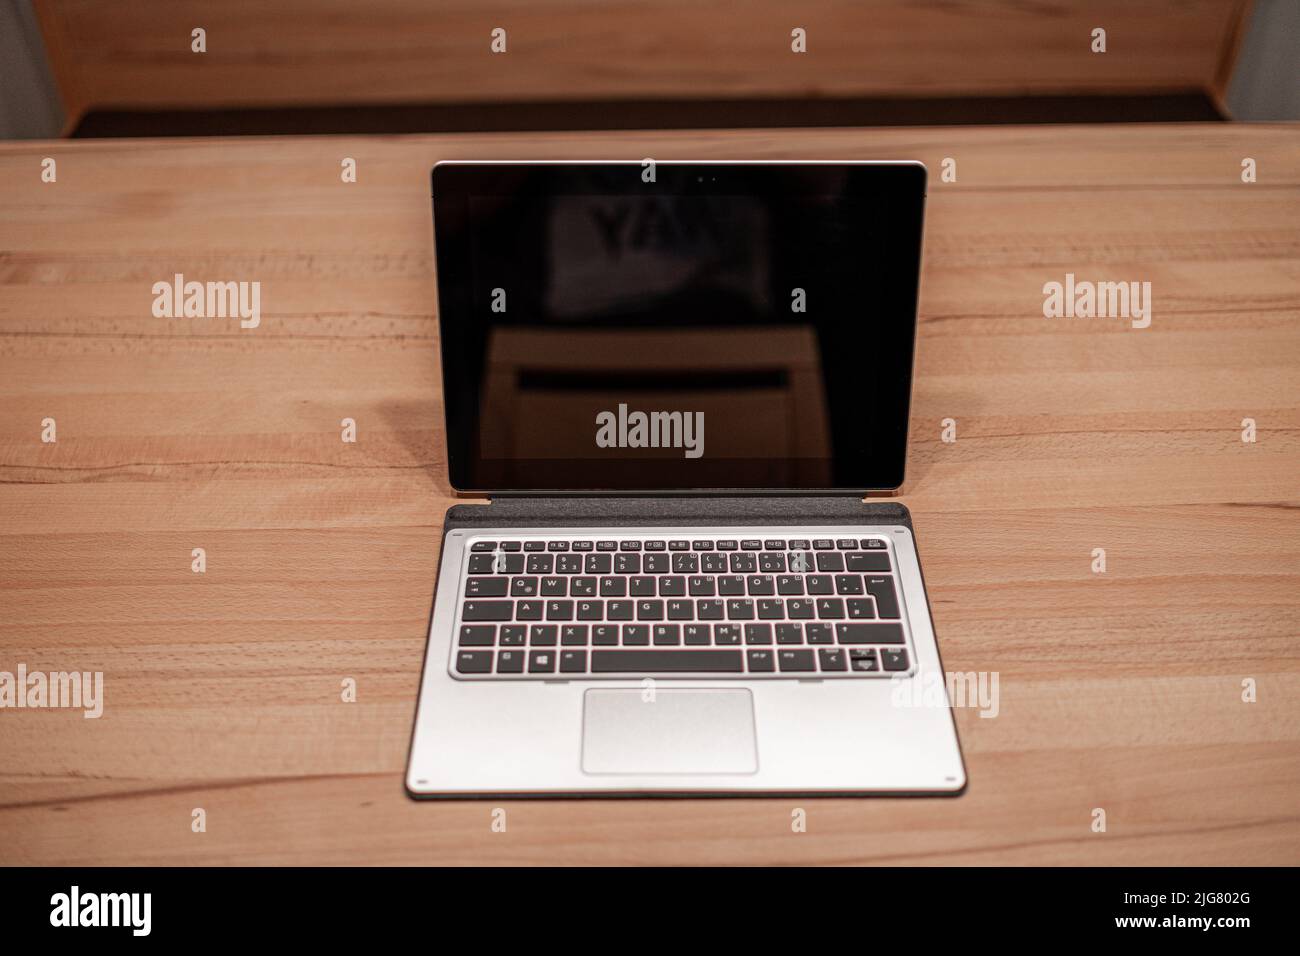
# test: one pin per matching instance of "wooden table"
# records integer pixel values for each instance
(1120, 691)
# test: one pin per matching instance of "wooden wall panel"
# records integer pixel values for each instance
(313, 52)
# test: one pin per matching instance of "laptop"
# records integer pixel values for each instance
(676, 383)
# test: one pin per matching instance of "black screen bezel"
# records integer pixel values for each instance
(901, 183)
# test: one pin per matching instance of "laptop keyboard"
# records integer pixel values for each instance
(556, 608)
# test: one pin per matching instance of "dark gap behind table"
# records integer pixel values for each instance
(1176, 107)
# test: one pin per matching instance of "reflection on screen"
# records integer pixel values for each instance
(613, 334)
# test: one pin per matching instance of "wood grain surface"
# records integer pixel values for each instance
(309, 52)
(1120, 691)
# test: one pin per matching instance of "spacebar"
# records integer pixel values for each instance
(637, 662)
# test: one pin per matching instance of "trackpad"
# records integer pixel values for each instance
(709, 730)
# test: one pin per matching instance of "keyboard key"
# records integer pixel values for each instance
(830, 561)
(730, 585)
(761, 661)
(583, 545)
(751, 544)
(789, 584)
(726, 634)
(848, 584)
(882, 589)
(483, 546)
(728, 544)
(710, 609)
(627, 564)
(606, 545)
(861, 561)
(774, 544)
(555, 587)
(742, 563)
(598, 564)
(799, 609)
(801, 562)
(494, 563)
(572, 635)
(758, 633)
(830, 608)
(618, 610)
(893, 658)
(847, 544)
(540, 563)
(869, 633)
(681, 610)
(686, 564)
(861, 608)
(799, 544)
(582, 587)
(613, 587)
(573, 662)
(873, 544)
(543, 635)
(487, 610)
(661, 661)
(510, 662)
(832, 659)
(591, 610)
(478, 635)
(819, 584)
(559, 610)
(513, 635)
(604, 635)
(694, 634)
(796, 660)
(823, 544)
(649, 610)
(474, 662)
(634, 634)
(771, 562)
(667, 634)
(713, 562)
(519, 586)
(657, 564)
(679, 545)
(701, 545)
(760, 584)
(656, 545)
(771, 609)
(643, 587)
(568, 564)
(557, 546)
(629, 546)
(672, 586)
(819, 633)
(702, 585)
(739, 609)
(534, 545)
(789, 634)
(541, 662)
(487, 587)
(863, 659)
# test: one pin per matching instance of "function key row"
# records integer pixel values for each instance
(747, 544)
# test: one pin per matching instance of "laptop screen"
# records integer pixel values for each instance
(677, 326)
